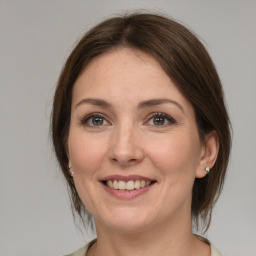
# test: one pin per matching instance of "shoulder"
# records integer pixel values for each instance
(214, 251)
(82, 251)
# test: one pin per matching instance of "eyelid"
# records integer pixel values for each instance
(170, 119)
(85, 119)
(95, 114)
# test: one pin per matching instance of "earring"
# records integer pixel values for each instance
(70, 171)
(207, 169)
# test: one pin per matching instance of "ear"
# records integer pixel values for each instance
(209, 153)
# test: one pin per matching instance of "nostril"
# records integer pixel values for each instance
(133, 160)
(125, 161)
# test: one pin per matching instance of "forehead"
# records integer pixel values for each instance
(125, 75)
(122, 63)
(125, 63)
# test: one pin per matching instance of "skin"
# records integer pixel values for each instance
(129, 141)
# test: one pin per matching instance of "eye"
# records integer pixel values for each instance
(160, 119)
(94, 120)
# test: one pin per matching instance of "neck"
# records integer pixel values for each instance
(167, 238)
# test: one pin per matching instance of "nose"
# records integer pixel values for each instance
(126, 148)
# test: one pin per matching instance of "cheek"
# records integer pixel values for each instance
(175, 156)
(176, 161)
(86, 154)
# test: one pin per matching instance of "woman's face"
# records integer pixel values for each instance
(133, 143)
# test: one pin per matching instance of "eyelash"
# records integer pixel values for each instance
(170, 120)
(162, 115)
(85, 120)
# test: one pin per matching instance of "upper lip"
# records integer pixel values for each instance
(125, 178)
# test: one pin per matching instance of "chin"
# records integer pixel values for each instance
(126, 220)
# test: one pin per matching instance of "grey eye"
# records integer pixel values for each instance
(97, 121)
(94, 120)
(159, 120)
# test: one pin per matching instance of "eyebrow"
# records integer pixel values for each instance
(155, 102)
(96, 102)
(143, 104)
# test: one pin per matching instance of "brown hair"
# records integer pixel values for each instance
(185, 60)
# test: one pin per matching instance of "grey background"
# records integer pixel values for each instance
(35, 39)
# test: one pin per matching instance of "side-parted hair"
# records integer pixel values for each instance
(185, 60)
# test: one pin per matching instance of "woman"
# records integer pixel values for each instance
(141, 133)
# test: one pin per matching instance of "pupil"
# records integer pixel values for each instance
(158, 120)
(97, 121)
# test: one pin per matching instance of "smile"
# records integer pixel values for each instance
(129, 185)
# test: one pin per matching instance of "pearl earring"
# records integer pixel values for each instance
(207, 169)
(70, 171)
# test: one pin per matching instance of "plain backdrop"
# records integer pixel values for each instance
(36, 37)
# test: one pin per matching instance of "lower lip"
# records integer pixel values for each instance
(127, 194)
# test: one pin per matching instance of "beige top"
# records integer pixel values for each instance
(82, 251)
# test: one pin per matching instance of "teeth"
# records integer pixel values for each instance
(137, 184)
(142, 183)
(115, 184)
(130, 185)
(110, 184)
(121, 185)
(147, 183)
